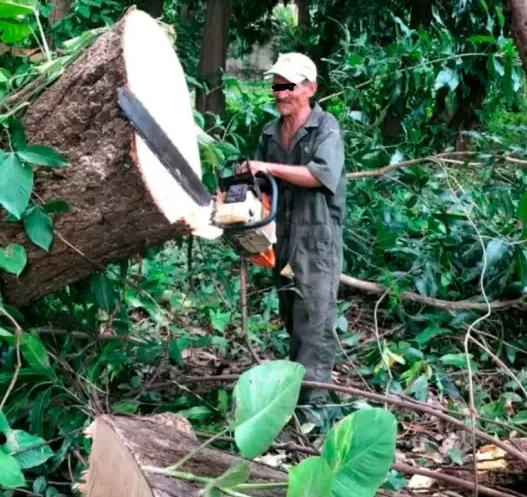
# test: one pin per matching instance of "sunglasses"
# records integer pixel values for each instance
(284, 86)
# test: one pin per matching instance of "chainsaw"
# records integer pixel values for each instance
(245, 205)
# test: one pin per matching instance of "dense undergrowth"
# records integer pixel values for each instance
(440, 228)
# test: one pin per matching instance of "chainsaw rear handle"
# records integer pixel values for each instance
(267, 178)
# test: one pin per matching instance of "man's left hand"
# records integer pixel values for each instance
(255, 166)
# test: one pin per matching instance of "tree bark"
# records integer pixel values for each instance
(123, 448)
(518, 16)
(213, 58)
(421, 13)
(121, 198)
(303, 13)
(59, 11)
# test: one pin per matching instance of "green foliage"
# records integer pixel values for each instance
(412, 229)
(265, 399)
(311, 478)
(357, 453)
(16, 185)
(360, 450)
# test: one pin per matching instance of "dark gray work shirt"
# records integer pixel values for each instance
(311, 217)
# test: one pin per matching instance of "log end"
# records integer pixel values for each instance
(126, 448)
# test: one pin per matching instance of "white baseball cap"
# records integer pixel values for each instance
(294, 67)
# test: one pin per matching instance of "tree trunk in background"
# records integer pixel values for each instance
(303, 13)
(213, 58)
(183, 12)
(120, 196)
(59, 11)
(421, 13)
(154, 7)
(518, 15)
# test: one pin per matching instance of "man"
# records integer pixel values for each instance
(304, 150)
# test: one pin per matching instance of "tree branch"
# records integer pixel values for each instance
(403, 468)
(429, 158)
(381, 399)
(370, 287)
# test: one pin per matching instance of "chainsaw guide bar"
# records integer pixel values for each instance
(162, 146)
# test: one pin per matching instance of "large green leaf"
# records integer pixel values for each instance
(16, 183)
(14, 31)
(28, 450)
(13, 258)
(311, 478)
(39, 228)
(11, 475)
(360, 450)
(265, 398)
(42, 155)
(14, 8)
(34, 352)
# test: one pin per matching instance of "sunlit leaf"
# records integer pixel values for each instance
(14, 31)
(265, 398)
(13, 258)
(29, 451)
(16, 184)
(14, 8)
(311, 478)
(360, 450)
(11, 475)
(39, 228)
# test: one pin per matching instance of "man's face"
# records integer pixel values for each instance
(291, 101)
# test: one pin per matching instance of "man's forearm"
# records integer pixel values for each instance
(296, 175)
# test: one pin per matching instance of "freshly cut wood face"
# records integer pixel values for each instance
(156, 77)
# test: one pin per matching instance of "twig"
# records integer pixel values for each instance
(48, 330)
(18, 333)
(243, 304)
(405, 468)
(458, 305)
(500, 363)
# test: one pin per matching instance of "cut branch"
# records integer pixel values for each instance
(370, 287)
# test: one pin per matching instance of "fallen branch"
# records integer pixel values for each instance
(381, 399)
(429, 158)
(403, 468)
(370, 287)
(458, 482)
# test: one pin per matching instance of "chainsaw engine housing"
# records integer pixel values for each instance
(246, 212)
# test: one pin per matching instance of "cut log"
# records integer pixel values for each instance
(122, 199)
(124, 446)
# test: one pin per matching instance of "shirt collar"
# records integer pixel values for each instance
(312, 121)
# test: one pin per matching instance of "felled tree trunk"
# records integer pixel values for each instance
(121, 198)
(124, 446)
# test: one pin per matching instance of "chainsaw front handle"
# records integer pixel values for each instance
(272, 212)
